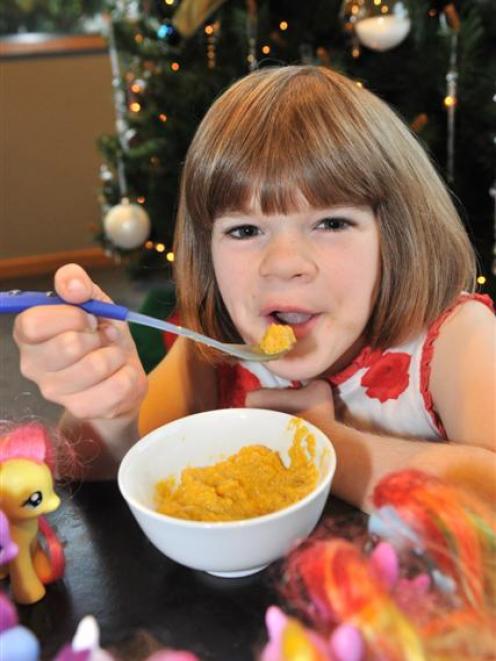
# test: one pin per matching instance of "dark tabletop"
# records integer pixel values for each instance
(114, 573)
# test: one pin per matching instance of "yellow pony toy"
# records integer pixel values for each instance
(26, 493)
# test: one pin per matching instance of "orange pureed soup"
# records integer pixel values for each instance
(250, 483)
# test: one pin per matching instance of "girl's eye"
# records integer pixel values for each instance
(243, 232)
(334, 224)
(34, 500)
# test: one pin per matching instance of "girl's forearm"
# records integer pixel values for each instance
(364, 458)
(97, 446)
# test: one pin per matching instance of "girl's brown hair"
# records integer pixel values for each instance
(279, 133)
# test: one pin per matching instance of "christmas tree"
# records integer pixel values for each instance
(48, 16)
(431, 61)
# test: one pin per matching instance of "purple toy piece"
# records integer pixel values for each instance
(8, 614)
(8, 549)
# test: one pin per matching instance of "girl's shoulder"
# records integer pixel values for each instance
(407, 381)
(462, 381)
(467, 310)
(469, 316)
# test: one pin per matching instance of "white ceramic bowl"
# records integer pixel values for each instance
(233, 548)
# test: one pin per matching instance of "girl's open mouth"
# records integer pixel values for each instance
(291, 318)
(301, 322)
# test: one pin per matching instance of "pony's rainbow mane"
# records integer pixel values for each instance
(27, 441)
(421, 585)
(457, 531)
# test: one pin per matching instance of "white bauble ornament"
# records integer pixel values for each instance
(383, 32)
(377, 26)
(127, 225)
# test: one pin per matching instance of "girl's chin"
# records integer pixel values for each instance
(295, 369)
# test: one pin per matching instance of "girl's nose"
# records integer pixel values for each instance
(287, 257)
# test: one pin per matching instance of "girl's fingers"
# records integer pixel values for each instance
(120, 394)
(278, 399)
(315, 395)
(58, 353)
(43, 323)
(94, 368)
(73, 284)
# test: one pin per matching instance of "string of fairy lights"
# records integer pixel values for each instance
(377, 24)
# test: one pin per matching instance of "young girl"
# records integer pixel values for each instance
(304, 201)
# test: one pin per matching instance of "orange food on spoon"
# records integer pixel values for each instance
(277, 338)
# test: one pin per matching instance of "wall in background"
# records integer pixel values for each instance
(53, 108)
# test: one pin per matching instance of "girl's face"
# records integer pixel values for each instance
(314, 269)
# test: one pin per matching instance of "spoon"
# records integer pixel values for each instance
(16, 300)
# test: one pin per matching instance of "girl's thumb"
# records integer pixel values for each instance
(74, 285)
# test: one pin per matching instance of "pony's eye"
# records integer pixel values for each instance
(34, 500)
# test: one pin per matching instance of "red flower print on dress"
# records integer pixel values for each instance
(388, 377)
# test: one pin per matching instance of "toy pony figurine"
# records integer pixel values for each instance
(26, 493)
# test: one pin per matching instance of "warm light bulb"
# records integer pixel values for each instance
(209, 29)
(162, 117)
(481, 280)
(134, 106)
(265, 50)
(169, 2)
(170, 257)
(149, 245)
(283, 25)
(175, 66)
(160, 247)
(449, 101)
(140, 199)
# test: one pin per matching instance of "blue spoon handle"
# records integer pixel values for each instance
(15, 301)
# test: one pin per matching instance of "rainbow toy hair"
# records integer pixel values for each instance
(454, 528)
(427, 593)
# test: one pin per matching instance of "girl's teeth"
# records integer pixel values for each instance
(292, 317)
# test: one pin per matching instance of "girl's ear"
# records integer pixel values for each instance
(27, 441)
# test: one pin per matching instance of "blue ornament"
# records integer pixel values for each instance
(165, 30)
